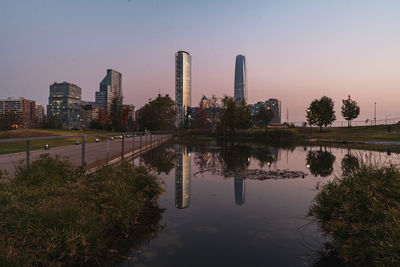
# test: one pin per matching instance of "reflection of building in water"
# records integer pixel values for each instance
(240, 191)
(182, 177)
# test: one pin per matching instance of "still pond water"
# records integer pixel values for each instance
(213, 217)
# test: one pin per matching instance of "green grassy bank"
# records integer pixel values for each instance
(361, 213)
(6, 148)
(52, 214)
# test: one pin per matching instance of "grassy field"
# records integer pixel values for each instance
(6, 148)
(361, 133)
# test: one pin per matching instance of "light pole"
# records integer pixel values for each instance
(375, 114)
(387, 118)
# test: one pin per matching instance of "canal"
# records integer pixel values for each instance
(230, 204)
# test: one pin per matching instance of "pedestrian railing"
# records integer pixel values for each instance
(131, 143)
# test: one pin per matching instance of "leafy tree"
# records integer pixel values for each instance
(350, 110)
(104, 119)
(115, 114)
(233, 115)
(201, 116)
(213, 111)
(321, 112)
(320, 162)
(263, 116)
(8, 119)
(158, 114)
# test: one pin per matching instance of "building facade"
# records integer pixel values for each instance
(39, 113)
(240, 90)
(271, 104)
(183, 85)
(20, 109)
(110, 87)
(65, 104)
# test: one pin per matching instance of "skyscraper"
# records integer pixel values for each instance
(110, 87)
(240, 78)
(183, 85)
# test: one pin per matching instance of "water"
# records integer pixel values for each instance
(213, 220)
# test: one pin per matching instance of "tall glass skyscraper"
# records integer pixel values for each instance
(240, 78)
(183, 85)
(110, 86)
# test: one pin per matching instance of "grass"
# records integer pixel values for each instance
(52, 214)
(361, 213)
(6, 148)
(360, 133)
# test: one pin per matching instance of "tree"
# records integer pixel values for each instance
(233, 115)
(350, 110)
(263, 116)
(116, 112)
(201, 116)
(104, 119)
(158, 114)
(321, 112)
(8, 119)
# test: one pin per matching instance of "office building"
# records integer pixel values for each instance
(20, 109)
(240, 91)
(110, 87)
(65, 104)
(182, 85)
(271, 104)
(39, 113)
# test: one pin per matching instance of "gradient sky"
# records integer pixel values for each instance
(295, 51)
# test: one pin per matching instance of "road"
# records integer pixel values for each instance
(94, 152)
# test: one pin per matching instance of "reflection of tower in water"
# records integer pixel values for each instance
(182, 177)
(240, 190)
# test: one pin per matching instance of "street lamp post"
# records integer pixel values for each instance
(387, 118)
(375, 114)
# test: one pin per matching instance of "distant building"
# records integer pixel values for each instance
(65, 104)
(39, 113)
(23, 109)
(272, 104)
(132, 113)
(183, 85)
(240, 90)
(110, 87)
(89, 112)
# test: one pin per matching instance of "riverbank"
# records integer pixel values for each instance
(360, 212)
(52, 214)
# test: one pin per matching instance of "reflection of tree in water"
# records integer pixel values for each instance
(320, 162)
(161, 159)
(349, 164)
(234, 158)
(265, 156)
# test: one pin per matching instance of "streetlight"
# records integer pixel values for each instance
(387, 118)
(375, 114)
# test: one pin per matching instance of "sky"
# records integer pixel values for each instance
(295, 51)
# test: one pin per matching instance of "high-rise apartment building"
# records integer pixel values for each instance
(183, 85)
(272, 104)
(65, 104)
(39, 113)
(110, 87)
(240, 91)
(20, 109)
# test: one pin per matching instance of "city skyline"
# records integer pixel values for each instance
(295, 52)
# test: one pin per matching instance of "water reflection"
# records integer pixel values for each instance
(320, 162)
(161, 159)
(349, 163)
(182, 176)
(240, 190)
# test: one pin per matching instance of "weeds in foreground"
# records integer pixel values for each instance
(361, 212)
(52, 214)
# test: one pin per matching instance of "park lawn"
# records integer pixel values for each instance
(360, 133)
(6, 148)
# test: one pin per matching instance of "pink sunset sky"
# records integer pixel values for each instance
(295, 51)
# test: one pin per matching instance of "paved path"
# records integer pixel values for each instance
(94, 152)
